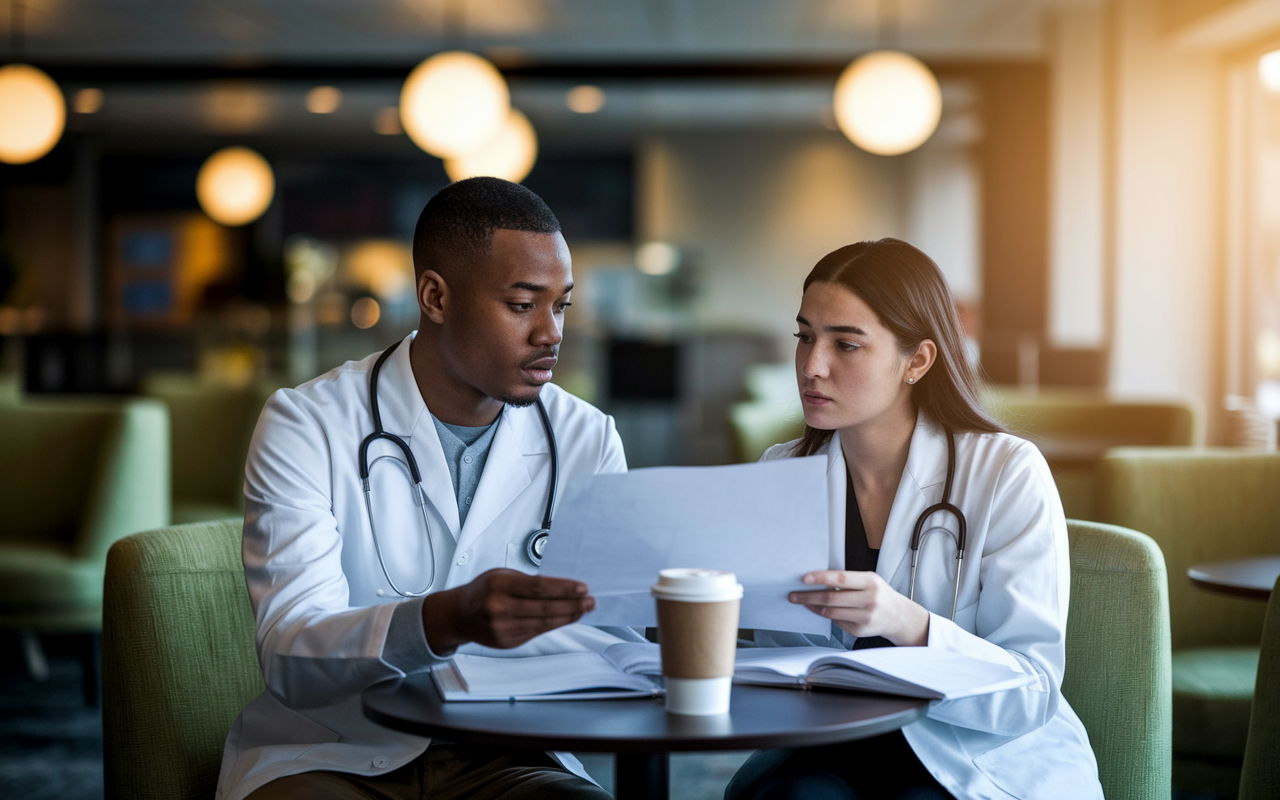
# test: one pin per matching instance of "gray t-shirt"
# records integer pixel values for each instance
(465, 451)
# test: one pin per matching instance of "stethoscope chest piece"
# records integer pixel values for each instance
(536, 545)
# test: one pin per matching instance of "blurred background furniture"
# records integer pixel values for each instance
(178, 659)
(1240, 577)
(1202, 505)
(1073, 429)
(210, 427)
(670, 395)
(771, 413)
(10, 387)
(75, 476)
(1118, 666)
(1260, 779)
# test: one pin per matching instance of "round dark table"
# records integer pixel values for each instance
(1242, 577)
(640, 730)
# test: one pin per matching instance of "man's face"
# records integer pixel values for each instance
(505, 319)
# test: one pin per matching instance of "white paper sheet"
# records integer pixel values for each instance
(765, 522)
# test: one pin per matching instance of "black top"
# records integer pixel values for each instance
(858, 555)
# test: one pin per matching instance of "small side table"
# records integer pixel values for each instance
(640, 730)
(1241, 577)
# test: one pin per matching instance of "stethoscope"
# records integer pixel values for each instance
(535, 544)
(917, 536)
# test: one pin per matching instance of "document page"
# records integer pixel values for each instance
(561, 676)
(765, 522)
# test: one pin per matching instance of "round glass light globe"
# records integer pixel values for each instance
(235, 185)
(1269, 71)
(887, 102)
(33, 113)
(508, 155)
(453, 103)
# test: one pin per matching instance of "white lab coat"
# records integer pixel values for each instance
(1025, 743)
(323, 606)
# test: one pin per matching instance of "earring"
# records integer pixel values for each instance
(911, 380)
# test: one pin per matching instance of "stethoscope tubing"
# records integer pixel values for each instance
(919, 534)
(420, 494)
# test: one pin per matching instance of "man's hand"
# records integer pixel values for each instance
(863, 604)
(502, 608)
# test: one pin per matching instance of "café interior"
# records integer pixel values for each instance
(203, 202)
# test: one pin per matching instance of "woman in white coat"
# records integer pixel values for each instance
(885, 386)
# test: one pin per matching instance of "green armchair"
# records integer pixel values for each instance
(1074, 429)
(178, 659)
(1118, 672)
(1202, 504)
(1260, 779)
(75, 476)
(211, 427)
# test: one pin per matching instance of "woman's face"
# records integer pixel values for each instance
(849, 367)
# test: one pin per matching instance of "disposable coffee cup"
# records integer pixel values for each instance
(698, 633)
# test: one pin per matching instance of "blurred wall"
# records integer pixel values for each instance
(754, 211)
(1077, 197)
(1168, 173)
(1137, 199)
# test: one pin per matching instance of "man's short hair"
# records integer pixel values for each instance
(456, 226)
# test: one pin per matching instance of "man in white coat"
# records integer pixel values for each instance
(351, 585)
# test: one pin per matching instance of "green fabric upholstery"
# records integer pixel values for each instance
(211, 427)
(1260, 779)
(178, 659)
(1212, 692)
(1118, 672)
(10, 387)
(1074, 429)
(1199, 505)
(75, 476)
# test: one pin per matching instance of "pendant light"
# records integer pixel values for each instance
(33, 112)
(509, 154)
(235, 186)
(887, 102)
(453, 102)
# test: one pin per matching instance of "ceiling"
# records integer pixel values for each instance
(230, 32)
(179, 74)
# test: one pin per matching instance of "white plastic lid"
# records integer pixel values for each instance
(697, 585)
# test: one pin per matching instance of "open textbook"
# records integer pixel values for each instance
(635, 669)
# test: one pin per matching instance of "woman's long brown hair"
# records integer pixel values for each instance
(910, 296)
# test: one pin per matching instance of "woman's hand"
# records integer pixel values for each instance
(862, 604)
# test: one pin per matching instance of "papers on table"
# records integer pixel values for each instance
(765, 522)
(633, 669)
(564, 676)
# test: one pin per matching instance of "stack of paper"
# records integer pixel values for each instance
(566, 676)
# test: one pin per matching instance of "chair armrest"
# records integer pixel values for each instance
(130, 492)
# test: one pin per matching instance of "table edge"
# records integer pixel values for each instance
(1229, 589)
(881, 725)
